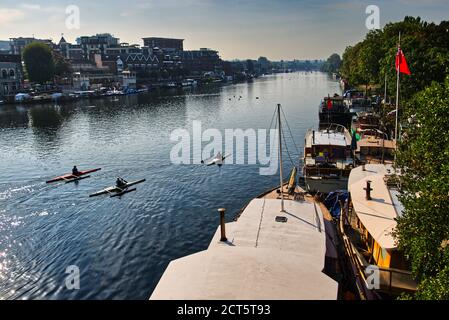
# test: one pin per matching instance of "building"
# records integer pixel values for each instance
(201, 61)
(164, 44)
(18, 44)
(70, 51)
(97, 44)
(11, 74)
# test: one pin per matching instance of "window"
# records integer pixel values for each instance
(12, 74)
(4, 73)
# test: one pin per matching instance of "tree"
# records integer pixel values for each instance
(62, 66)
(423, 229)
(39, 63)
(425, 46)
(332, 65)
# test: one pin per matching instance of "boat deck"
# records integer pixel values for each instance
(263, 259)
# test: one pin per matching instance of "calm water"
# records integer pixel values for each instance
(122, 246)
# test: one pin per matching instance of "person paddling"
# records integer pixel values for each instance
(120, 183)
(75, 171)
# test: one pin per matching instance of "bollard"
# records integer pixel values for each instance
(368, 190)
(222, 224)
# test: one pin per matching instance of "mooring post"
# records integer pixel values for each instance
(222, 224)
(368, 190)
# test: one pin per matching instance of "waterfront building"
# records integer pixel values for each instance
(11, 74)
(198, 62)
(167, 45)
(18, 44)
(97, 44)
(70, 51)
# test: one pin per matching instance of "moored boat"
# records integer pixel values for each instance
(327, 159)
(366, 227)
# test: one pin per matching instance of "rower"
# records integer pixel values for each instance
(120, 183)
(75, 171)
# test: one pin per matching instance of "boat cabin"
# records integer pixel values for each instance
(367, 223)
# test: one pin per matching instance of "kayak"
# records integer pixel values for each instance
(70, 177)
(116, 191)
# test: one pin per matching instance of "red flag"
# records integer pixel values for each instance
(401, 63)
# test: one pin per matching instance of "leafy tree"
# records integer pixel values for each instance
(332, 64)
(423, 229)
(425, 46)
(39, 62)
(62, 66)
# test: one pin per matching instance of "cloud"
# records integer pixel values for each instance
(8, 16)
(30, 6)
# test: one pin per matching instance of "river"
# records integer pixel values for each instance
(121, 246)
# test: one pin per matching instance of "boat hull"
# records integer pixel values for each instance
(71, 176)
(325, 185)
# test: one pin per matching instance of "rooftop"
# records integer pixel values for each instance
(263, 259)
(325, 137)
(377, 215)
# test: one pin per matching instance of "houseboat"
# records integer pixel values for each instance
(328, 159)
(373, 146)
(367, 221)
(333, 110)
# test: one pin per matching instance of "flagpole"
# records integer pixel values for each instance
(397, 95)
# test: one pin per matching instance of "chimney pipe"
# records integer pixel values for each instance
(222, 224)
(368, 190)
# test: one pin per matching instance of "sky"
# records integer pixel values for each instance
(238, 29)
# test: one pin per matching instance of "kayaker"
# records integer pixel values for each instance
(75, 171)
(120, 182)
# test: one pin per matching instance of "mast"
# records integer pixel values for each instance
(397, 96)
(280, 158)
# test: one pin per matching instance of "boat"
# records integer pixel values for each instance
(115, 191)
(373, 146)
(366, 225)
(277, 248)
(333, 110)
(72, 178)
(327, 159)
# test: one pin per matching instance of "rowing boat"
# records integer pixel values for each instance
(71, 177)
(116, 191)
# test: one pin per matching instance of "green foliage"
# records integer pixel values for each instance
(332, 64)
(435, 288)
(423, 230)
(39, 63)
(425, 46)
(62, 67)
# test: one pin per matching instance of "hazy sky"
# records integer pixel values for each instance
(283, 29)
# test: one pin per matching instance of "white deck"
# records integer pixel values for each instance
(263, 259)
(324, 138)
(377, 215)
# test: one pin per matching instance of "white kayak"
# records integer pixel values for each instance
(116, 191)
